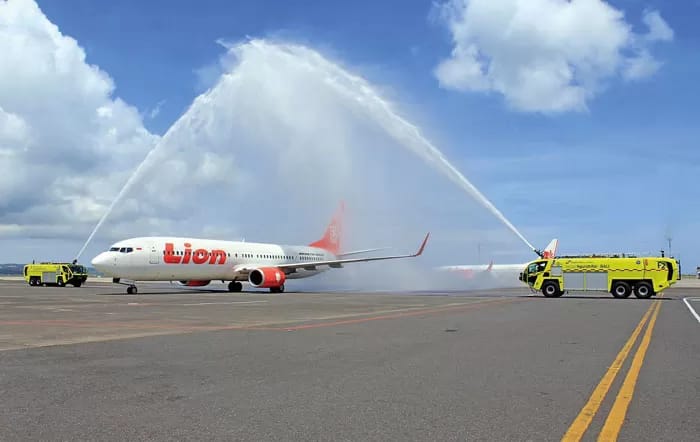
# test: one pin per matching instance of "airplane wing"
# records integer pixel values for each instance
(333, 263)
(358, 252)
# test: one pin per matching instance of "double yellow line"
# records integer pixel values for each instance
(617, 414)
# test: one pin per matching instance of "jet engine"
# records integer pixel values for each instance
(194, 283)
(267, 277)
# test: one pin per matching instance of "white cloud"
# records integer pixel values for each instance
(65, 142)
(641, 66)
(544, 55)
(659, 30)
(156, 110)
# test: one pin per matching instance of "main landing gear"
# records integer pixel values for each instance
(236, 286)
(132, 290)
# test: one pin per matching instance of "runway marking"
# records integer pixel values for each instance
(584, 418)
(224, 303)
(692, 310)
(617, 414)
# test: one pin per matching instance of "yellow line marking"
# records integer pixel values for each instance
(617, 414)
(584, 418)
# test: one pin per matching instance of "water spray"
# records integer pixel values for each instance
(356, 90)
(129, 183)
(407, 133)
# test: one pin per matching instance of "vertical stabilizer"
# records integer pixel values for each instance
(332, 237)
(551, 250)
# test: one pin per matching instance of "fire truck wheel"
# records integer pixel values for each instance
(621, 290)
(550, 289)
(61, 283)
(643, 290)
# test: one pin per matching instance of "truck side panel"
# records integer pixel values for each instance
(574, 281)
(597, 281)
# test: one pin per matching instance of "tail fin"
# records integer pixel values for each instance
(551, 250)
(331, 239)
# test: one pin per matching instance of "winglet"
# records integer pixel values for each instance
(422, 246)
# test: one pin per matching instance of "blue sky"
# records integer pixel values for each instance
(617, 175)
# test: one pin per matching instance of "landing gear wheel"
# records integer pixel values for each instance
(235, 286)
(132, 290)
(643, 290)
(279, 289)
(550, 289)
(621, 290)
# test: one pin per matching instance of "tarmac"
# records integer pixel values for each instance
(92, 363)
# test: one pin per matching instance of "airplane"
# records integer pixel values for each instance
(196, 262)
(470, 271)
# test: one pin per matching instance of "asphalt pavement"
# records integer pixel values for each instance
(93, 364)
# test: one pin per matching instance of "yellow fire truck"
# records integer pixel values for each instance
(618, 274)
(55, 273)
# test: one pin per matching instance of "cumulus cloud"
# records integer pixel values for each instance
(544, 55)
(65, 141)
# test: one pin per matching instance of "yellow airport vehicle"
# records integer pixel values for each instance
(55, 273)
(618, 274)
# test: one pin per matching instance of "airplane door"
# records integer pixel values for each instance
(154, 257)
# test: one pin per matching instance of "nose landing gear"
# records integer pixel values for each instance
(131, 287)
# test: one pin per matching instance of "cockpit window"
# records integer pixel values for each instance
(121, 249)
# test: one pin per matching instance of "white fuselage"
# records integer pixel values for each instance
(495, 268)
(180, 259)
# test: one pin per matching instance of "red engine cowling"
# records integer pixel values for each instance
(194, 283)
(267, 277)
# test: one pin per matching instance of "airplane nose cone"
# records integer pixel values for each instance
(99, 261)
